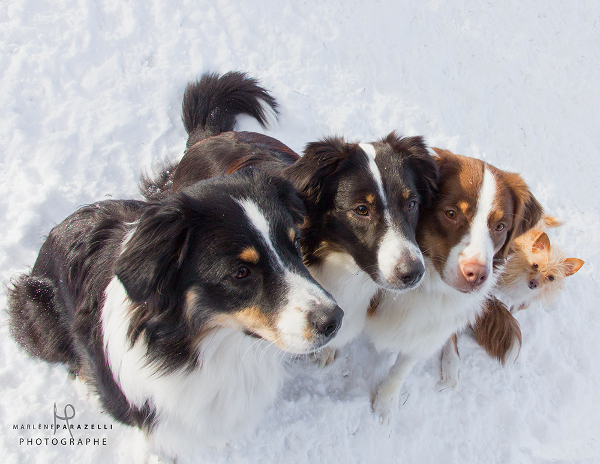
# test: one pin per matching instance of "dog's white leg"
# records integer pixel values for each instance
(450, 364)
(387, 397)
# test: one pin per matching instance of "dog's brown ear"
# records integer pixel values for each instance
(573, 265)
(527, 210)
(542, 242)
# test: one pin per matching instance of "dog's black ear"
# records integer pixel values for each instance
(420, 161)
(321, 159)
(292, 201)
(527, 210)
(152, 256)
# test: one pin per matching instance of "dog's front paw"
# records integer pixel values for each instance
(325, 356)
(384, 406)
(450, 365)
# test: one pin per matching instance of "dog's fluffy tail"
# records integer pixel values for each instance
(35, 320)
(498, 332)
(210, 106)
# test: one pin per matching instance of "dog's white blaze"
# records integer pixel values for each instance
(481, 245)
(371, 154)
(389, 253)
(477, 244)
(303, 296)
(260, 223)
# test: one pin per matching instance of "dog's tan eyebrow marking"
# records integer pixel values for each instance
(292, 234)
(370, 198)
(250, 255)
(463, 206)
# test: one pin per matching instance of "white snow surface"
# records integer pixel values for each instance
(90, 92)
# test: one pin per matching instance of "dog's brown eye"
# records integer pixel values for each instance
(551, 278)
(361, 210)
(241, 273)
(535, 266)
(412, 205)
(451, 214)
(500, 227)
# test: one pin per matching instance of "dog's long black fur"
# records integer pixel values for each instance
(55, 309)
(214, 149)
(158, 251)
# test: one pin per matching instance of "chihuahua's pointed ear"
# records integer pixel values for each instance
(542, 243)
(573, 265)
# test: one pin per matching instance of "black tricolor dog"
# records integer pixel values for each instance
(362, 199)
(176, 312)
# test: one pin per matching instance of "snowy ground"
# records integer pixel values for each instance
(91, 93)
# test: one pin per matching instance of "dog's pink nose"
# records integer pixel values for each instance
(475, 273)
(533, 283)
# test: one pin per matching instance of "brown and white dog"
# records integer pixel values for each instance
(464, 236)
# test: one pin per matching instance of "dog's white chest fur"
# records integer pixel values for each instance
(226, 394)
(418, 323)
(351, 288)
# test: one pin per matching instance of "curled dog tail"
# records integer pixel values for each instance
(36, 320)
(211, 104)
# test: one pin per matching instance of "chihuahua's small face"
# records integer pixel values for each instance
(547, 266)
(536, 270)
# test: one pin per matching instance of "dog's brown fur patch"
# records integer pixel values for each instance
(497, 330)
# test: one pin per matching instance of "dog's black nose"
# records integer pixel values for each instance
(533, 283)
(411, 279)
(410, 275)
(327, 323)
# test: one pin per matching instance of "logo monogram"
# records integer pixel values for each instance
(65, 418)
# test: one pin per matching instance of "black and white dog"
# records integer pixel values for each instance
(176, 312)
(362, 199)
